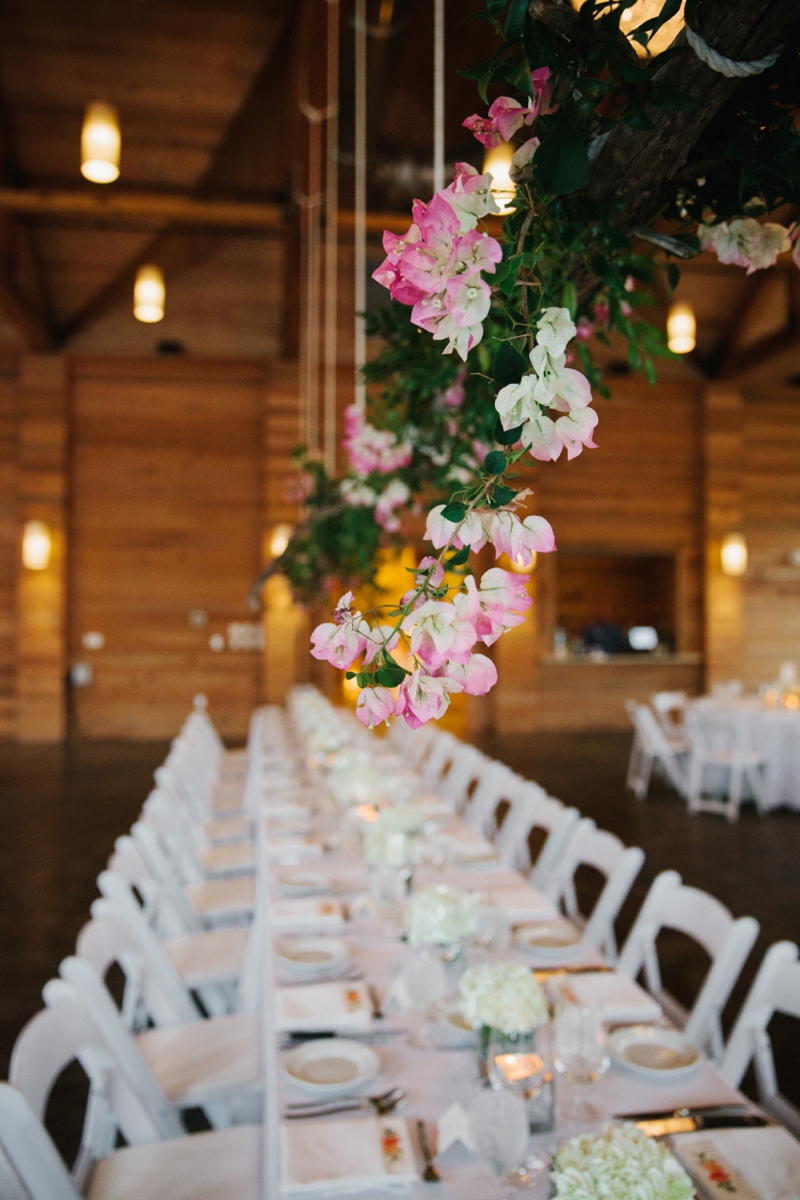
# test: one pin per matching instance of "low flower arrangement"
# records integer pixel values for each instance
(354, 780)
(440, 916)
(621, 1163)
(386, 840)
(503, 996)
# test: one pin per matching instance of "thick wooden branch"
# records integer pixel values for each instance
(642, 164)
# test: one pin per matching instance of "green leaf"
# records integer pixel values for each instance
(495, 462)
(515, 21)
(454, 511)
(478, 72)
(673, 277)
(391, 676)
(459, 558)
(496, 7)
(561, 163)
(508, 365)
(349, 674)
(672, 99)
(503, 494)
(507, 437)
(569, 299)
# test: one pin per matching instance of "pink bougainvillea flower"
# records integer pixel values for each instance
(424, 697)
(439, 530)
(429, 571)
(437, 634)
(601, 312)
(454, 396)
(470, 195)
(477, 676)
(374, 705)
(468, 299)
(584, 329)
(478, 252)
(484, 129)
(508, 115)
(391, 498)
(380, 637)
(372, 449)
(575, 430)
(540, 81)
(745, 242)
(518, 539)
(541, 438)
(339, 644)
(524, 154)
(504, 598)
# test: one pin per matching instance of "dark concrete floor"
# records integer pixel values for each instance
(63, 807)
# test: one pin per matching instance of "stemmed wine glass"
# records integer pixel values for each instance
(580, 1056)
(425, 983)
(498, 1125)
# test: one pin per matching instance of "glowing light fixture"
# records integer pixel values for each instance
(100, 143)
(734, 554)
(681, 328)
(149, 294)
(279, 540)
(498, 163)
(37, 546)
(523, 563)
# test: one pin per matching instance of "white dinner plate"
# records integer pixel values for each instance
(303, 883)
(654, 1052)
(551, 940)
(331, 1067)
(312, 955)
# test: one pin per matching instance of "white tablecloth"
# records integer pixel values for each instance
(775, 733)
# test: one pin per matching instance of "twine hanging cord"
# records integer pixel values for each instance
(729, 66)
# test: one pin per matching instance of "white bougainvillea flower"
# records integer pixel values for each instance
(518, 539)
(438, 633)
(575, 430)
(745, 242)
(477, 676)
(380, 637)
(556, 329)
(439, 530)
(424, 697)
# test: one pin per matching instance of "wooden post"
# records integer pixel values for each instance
(41, 595)
(724, 514)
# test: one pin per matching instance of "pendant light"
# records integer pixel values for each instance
(37, 546)
(100, 143)
(149, 294)
(498, 163)
(681, 328)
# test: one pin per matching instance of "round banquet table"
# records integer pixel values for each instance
(774, 732)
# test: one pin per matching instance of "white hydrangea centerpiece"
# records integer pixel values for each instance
(386, 840)
(621, 1163)
(440, 916)
(503, 996)
(353, 779)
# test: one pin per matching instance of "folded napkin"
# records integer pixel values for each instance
(347, 1157)
(323, 1006)
(276, 807)
(433, 806)
(620, 1000)
(521, 903)
(293, 847)
(467, 846)
(768, 1160)
(306, 912)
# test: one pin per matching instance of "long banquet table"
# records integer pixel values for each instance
(432, 1079)
(773, 731)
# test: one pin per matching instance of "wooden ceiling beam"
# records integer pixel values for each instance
(761, 353)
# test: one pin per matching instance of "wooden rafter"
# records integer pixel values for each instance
(758, 355)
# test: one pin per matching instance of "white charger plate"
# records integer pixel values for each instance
(303, 883)
(554, 941)
(331, 1067)
(312, 955)
(653, 1052)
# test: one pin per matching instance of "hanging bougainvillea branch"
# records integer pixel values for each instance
(487, 344)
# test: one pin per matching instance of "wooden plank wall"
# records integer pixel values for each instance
(771, 484)
(9, 548)
(167, 517)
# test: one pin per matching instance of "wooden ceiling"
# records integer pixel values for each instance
(207, 95)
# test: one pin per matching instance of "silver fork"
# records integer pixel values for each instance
(381, 1105)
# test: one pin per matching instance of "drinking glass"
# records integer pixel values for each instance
(425, 983)
(389, 891)
(580, 1056)
(498, 1124)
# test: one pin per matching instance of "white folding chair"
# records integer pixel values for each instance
(619, 864)
(497, 783)
(461, 781)
(720, 741)
(206, 1166)
(199, 858)
(670, 709)
(651, 746)
(208, 962)
(212, 1064)
(776, 988)
(439, 762)
(533, 809)
(670, 904)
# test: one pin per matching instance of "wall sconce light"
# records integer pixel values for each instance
(149, 294)
(37, 546)
(734, 554)
(100, 144)
(523, 563)
(279, 540)
(681, 328)
(497, 162)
